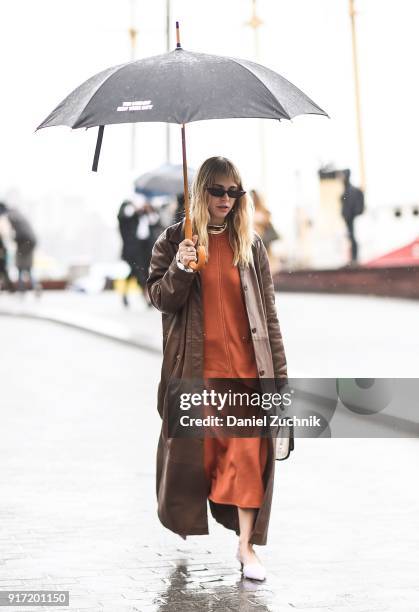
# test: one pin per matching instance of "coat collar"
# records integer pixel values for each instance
(175, 233)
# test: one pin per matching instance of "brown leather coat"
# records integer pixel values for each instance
(181, 484)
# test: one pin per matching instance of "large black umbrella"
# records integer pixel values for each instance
(180, 87)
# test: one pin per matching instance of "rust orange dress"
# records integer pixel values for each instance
(234, 466)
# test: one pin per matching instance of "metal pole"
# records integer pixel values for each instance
(133, 33)
(255, 22)
(352, 13)
(168, 22)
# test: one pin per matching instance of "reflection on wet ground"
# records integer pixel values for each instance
(211, 586)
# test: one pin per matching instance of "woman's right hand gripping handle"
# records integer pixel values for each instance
(190, 256)
(187, 251)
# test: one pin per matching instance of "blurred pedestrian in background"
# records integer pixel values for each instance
(148, 221)
(5, 282)
(263, 224)
(179, 213)
(165, 211)
(25, 239)
(135, 226)
(128, 223)
(352, 205)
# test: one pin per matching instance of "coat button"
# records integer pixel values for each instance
(253, 330)
(245, 287)
(262, 372)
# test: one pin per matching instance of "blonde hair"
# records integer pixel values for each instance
(239, 219)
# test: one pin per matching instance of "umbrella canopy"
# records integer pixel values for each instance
(181, 87)
(165, 180)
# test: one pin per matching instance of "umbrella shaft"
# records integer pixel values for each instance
(188, 225)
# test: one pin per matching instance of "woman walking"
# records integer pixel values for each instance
(217, 323)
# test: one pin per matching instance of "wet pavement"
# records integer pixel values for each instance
(324, 335)
(78, 510)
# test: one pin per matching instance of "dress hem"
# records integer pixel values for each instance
(229, 503)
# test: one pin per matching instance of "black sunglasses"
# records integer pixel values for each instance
(219, 192)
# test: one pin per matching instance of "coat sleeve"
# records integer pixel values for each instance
(168, 286)
(274, 331)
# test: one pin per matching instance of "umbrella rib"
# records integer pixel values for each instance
(236, 61)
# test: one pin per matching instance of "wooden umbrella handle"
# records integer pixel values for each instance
(200, 251)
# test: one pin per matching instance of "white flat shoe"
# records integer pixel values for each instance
(254, 571)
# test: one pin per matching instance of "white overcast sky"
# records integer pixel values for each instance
(49, 47)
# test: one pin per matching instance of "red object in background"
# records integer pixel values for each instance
(405, 256)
